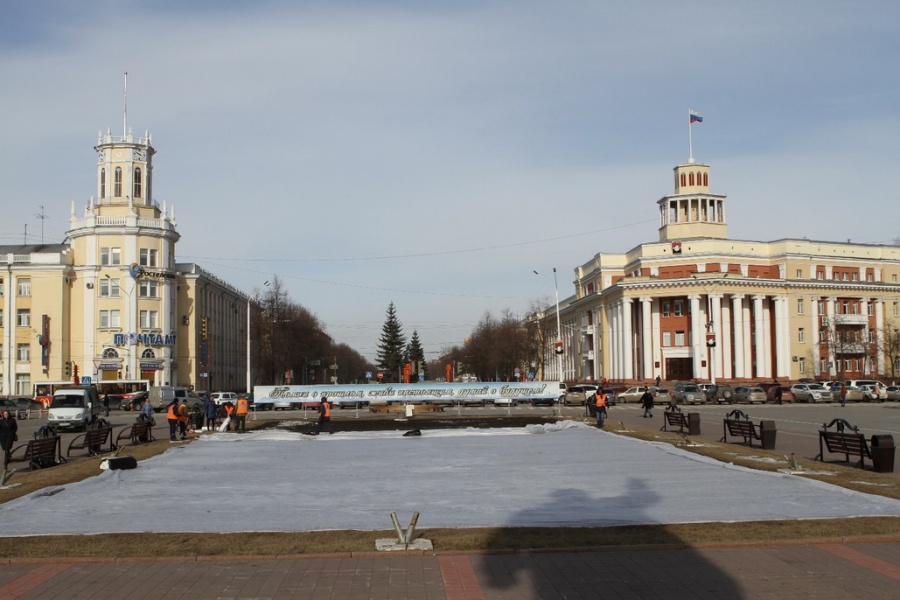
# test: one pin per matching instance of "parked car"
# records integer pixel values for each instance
(634, 394)
(786, 394)
(504, 402)
(135, 401)
(893, 392)
(854, 394)
(811, 392)
(871, 393)
(222, 397)
(688, 393)
(661, 395)
(717, 392)
(751, 395)
(576, 395)
(10, 405)
(25, 403)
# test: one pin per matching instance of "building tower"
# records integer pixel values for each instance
(692, 211)
(124, 257)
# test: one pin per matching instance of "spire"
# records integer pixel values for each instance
(125, 106)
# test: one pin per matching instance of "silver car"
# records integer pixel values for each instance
(688, 393)
(811, 392)
(750, 395)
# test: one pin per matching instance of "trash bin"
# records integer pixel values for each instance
(882, 447)
(693, 423)
(767, 435)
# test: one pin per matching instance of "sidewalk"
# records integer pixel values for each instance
(832, 569)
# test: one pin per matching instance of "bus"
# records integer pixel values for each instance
(126, 388)
(43, 391)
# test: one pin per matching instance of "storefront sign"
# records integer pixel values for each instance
(147, 339)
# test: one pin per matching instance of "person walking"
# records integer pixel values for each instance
(600, 405)
(172, 416)
(212, 411)
(777, 395)
(647, 404)
(324, 416)
(147, 411)
(8, 435)
(183, 418)
(843, 395)
(240, 414)
(106, 405)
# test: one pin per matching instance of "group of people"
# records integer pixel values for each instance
(601, 402)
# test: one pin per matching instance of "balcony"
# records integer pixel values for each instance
(851, 348)
(851, 319)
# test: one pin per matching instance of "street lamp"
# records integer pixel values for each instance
(250, 302)
(558, 345)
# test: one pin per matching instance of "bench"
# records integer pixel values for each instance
(39, 453)
(673, 417)
(849, 443)
(93, 441)
(737, 424)
(139, 432)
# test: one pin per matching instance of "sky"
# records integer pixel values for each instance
(434, 154)
(445, 475)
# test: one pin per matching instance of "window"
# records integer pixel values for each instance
(1, 320)
(117, 183)
(667, 338)
(137, 183)
(679, 338)
(893, 278)
(148, 353)
(23, 384)
(799, 273)
(666, 308)
(110, 353)
(801, 335)
(869, 277)
(23, 287)
(871, 336)
(679, 308)
(801, 363)
(23, 317)
(109, 319)
(103, 183)
(149, 319)
(799, 306)
(896, 309)
(23, 352)
(110, 256)
(149, 288)
(148, 257)
(109, 288)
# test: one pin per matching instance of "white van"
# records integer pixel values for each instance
(162, 395)
(74, 407)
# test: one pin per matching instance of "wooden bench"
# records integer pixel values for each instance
(737, 424)
(93, 441)
(673, 417)
(849, 443)
(140, 432)
(39, 453)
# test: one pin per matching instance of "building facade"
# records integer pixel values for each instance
(698, 305)
(112, 303)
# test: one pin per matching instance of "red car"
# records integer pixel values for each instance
(786, 394)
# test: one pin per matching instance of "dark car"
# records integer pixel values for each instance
(7, 404)
(722, 394)
(134, 402)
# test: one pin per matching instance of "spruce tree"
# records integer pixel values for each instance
(391, 346)
(415, 353)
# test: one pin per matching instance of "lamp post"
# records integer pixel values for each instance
(250, 302)
(558, 345)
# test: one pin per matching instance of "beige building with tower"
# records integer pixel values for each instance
(112, 302)
(698, 305)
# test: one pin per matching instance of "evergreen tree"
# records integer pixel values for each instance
(391, 346)
(415, 353)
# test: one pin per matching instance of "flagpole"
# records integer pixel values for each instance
(690, 137)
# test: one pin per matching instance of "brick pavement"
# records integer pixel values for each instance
(834, 569)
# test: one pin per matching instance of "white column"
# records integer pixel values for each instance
(725, 337)
(830, 314)
(760, 337)
(879, 333)
(748, 341)
(646, 338)
(698, 345)
(715, 317)
(814, 333)
(737, 312)
(611, 340)
(782, 339)
(628, 338)
(655, 334)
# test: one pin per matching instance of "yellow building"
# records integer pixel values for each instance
(112, 302)
(698, 305)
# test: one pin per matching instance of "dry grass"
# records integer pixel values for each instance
(487, 540)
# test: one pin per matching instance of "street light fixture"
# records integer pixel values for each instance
(250, 302)
(558, 345)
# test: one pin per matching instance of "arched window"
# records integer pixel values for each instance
(117, 183)
(148, 353)
(683, 180)
(103, 183)
(691, 179)
(706, 179)
(137, 183)
(110, 353)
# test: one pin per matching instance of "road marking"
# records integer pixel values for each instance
(863, 560)
(30, 580)
(460, 582)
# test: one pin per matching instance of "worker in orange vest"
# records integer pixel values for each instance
(324, 416)
(240, 414)
(600, 406)
(229, 415)
(172, 416)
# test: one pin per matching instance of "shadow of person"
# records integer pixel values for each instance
(595, 521)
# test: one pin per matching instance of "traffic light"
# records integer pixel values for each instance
(68, 371)
(75, 379)
(204, 328)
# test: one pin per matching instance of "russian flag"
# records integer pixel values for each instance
(695, 116)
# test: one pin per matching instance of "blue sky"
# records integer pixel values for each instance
(434, 154)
